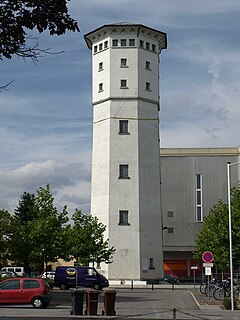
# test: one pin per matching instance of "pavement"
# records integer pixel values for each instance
(157, 302)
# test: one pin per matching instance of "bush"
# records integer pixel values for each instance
(227, 303)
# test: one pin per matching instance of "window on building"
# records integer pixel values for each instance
(131, 42)
(123, 84)
(123, 171)
(115, 42)
(170, 214)
(100, 87)
(141, 43)
(95, 49)
(100, 66)
(123, 42)
(123, 62)
(199, 204)
(148, 86)
(105, 44)
(123, 126)
(147, 66)
(147, 45)
(151, 263)
(170, 230)
(153, 47)
(100, 46)
(123, 217)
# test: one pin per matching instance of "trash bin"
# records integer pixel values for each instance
(77, 301)
(92, 302)
(109, 302)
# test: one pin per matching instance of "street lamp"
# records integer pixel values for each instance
(229, 164)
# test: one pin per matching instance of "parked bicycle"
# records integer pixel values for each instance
(224, 290)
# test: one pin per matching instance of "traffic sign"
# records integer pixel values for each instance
(208, 265)
(194, 267)
(207, 256)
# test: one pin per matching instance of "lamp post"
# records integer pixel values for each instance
(229, 164)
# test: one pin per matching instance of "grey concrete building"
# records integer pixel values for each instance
(192, 181)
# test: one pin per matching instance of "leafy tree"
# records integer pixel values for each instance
(47, 231)
(17, 16)
(5, 233)
(214, 235)
(26, 209)
(87, 240)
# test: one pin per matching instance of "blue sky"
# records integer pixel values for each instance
(46, 115)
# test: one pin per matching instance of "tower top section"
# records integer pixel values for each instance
(126, 29)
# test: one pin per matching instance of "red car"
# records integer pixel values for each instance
(25, 290)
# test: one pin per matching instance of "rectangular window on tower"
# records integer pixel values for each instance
(123, 171)
(115, 42)
(199, 202)
(100, 87)
(151, 263)
(123, 127)
(123, 218)
(131, 42)
(100, 66)
(147, 66)
(123, 63)
(123, 42)
(148, 86)
(123, 84)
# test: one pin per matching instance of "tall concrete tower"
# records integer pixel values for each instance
(125, 193)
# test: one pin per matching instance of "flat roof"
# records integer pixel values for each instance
(189, 152)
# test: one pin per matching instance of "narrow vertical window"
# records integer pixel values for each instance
(147, 45)
(100, 66)
(151, 263)
(153, 47)
(123, 217)
(141, 43)
(123, 171)
(95, 49)
(148, 86)
(147, 66)
(123, 42)
(105, 44)
(100, 87)
(123, 84)
(123, 126)
(123, 62)
(100, 46)
(131, 42)
(199, 211)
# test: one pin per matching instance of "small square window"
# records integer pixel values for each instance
(141, 43)
(123, 126)
(115, 42)
(100, 66)
(170, 230)
(153, 47)
(95, 49)
(147, 45)
(147, 65)
(148, 86)
(123, 62)
(123, 171)
(105, 44)
(100, 87)
(123, 42)
(123, 217)
(131, 42)
(123, 84)
(100, 46)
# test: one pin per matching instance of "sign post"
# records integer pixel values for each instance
(194, 268)
(207, 258)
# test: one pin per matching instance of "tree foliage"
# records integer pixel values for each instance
(87, 240)
(214, 235)
(5, 233)
(17, 16)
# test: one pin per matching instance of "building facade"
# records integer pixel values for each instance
(125, 186)
(193, 180)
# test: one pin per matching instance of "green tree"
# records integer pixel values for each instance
(20, 244)
(18, 16)
(48, 230)
(87, 240)
(214, 235)
(5, 234)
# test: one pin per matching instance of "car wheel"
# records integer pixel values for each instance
(63, 286)
(97, 286)
(37, 302)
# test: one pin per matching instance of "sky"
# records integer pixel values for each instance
(46, 114)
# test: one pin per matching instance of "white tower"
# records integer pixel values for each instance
(125, 193)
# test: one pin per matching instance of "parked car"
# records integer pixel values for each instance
(18, 270)
(49, 274)
(8, 274)
(66, 277)
(35, 291)
(171, 278)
